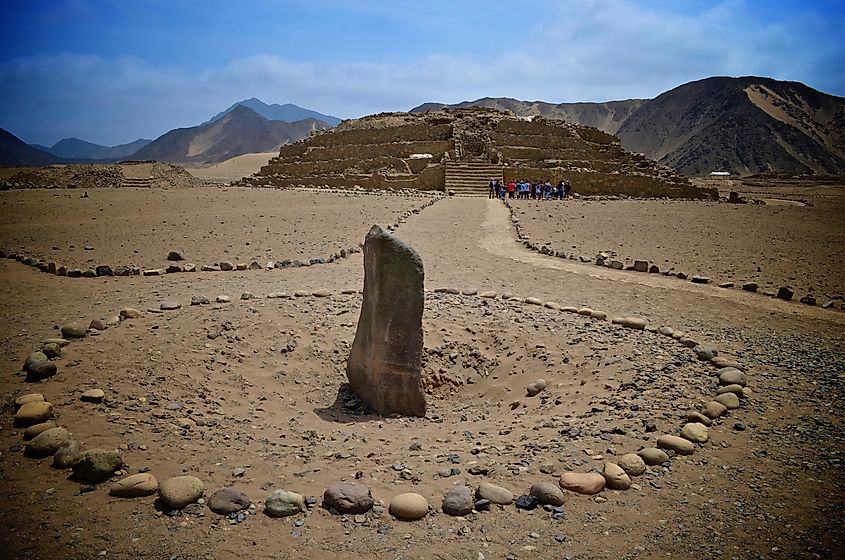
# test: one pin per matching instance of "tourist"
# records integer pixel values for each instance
(511, 188)
(560, 190)
(493, 189)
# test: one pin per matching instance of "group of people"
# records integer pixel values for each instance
(526, 190)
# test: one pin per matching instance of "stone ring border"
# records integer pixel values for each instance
(51, 267)
(678, 445)
(785, 293)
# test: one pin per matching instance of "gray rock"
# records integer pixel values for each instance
(228, 500)
(640, 266)
(175, 256)
(458, 501)
(199, 300)
(104, 270)
(698, 279)
(547, 493)
(170, 305)
(37, 371)
(73, 331)
(67, 454)
(732, 376)
(52, 350)
(705, 353)
(385, 362)
(226, 265)
(348, 498)
(749, 286)
(96, 465)
(535, 387)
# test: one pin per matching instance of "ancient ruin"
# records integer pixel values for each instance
(460, 150)
(385, 361)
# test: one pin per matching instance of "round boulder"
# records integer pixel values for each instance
(408, 506)
(33, 413)
(695, 432)
(632, 464)
(535, 387)
(93, 396)
(73, 331)
(713, 409)
(46, 443)
(729, 400)
(615, 477)
(28, 398)
(653, 456)
(36, 429)
(732, 376)
(677, 444)
(135, 486)
(494, 493)
(180, 491)
(583, 483)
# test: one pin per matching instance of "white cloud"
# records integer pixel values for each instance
(593, 51)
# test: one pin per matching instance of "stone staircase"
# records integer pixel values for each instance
(137, 182)
(466, 178)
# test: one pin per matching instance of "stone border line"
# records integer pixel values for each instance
(44, 439)
(51, 267)
(610, 260)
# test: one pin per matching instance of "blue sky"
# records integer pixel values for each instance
(113, 71)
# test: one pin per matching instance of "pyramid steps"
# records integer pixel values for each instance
(471, 178)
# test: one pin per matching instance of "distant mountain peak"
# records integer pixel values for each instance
(275, 112)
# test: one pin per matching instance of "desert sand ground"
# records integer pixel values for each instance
(232, 169)
(258, 385)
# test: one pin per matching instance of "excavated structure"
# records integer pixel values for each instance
(460, 150)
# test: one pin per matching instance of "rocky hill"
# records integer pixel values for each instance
(74, 149)
(241, 131)
(275, 112)
(742, 125)
(14, 151)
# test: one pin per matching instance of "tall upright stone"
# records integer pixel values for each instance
(385, 361)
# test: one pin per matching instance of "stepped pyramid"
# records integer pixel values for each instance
(460, 150)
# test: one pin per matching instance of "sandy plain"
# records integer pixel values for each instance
(205, 390)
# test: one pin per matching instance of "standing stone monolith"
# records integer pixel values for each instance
(385, 361)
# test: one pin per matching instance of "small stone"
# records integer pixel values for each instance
(255, 265)
(67, 454)
(698, 279)
(632, 464)
(785, 293)
(226, 265)
(408, 506)
(36, 429)
(247, 296)
(640, 266)
(705, 353)
(665, 331)
(695, 432)
(730, 400)
(535, 387)
(93, 396)
(494, 493)
(179, 491)
(73, 331)
(735, 389)
(199, 300)
(96, 465)
(458, 501)
(635, 323)
(749, 286)
(488, 295)
(38, 371)
(222, 299)
(283, 504)
(677, 444)
(583, 483)
(599, 315)
(46, 443)
(52, 350)
(615, 476)
(135, 486)
(34, 412)
(547, 493)
(527, 502)
(653, 456)
(348, 498)
(321, 293)
(170, 305)
(175, 256)
(129, 313)
(739, 426)
(713, 409)
(229, 500)
(693, 416)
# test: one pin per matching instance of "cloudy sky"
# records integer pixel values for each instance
(113, 71)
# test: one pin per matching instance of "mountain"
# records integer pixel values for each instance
(743, 125)
(80, 150)
(607, 116)
(14, 151)
(276, 112)
(241, 131)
